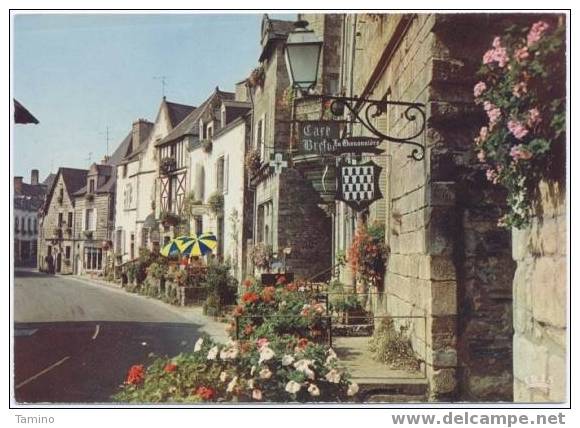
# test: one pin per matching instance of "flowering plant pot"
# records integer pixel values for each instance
(257, 77)
(207, 145)
(253, 161)
(167, 165)
(169, 219)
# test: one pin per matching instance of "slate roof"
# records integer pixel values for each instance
(49, 179)
(22, 115)
(177, 112)
(273, 29)
(190, 125)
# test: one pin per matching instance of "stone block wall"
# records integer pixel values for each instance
(540, 297)
(450, 264)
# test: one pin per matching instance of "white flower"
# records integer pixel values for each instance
(293, 387)
(198, 344)
(265, 354)
(331, 353)
(252, 370)
(329, 360)
(223, 376)
(283, 303)
(229, 353)
(303, 367)
(314, 390)
(265, 373)
(232, 384)
(257, 394)
(333, 376)
(352, 389)
(250, 384)
(212, 354)
(287, 360)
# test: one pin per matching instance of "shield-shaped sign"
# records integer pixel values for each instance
(358, 185)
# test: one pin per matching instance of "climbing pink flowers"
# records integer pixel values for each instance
(497, 54)
(520, 152)
(521, 54)
(534, 117)
(518, 129)
(479, 89)
(536, 32)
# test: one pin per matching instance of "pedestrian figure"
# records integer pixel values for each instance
(50, 264)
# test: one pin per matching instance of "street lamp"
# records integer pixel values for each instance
(302, 55)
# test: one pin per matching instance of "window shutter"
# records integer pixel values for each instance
(94, 219)
(226, 173)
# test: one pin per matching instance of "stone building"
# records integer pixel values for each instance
(94, 216)
(137, 174)
(219, 174)
(180, 183)
(56, 223)
(288, 212)
(449, 265)
(28, 198)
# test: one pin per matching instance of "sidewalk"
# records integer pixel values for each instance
(193, 314)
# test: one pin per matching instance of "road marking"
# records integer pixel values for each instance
(40, 373)
(96, 332)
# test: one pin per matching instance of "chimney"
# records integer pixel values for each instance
(17, 185)
(34, 177)
(141, 130)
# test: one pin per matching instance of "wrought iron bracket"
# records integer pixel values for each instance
(365, 110)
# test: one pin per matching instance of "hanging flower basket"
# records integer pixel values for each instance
(216, 203)
(253, 161)
(167, 165)
(207, 145)
(257, 77)
(90, 197)
(88, 234)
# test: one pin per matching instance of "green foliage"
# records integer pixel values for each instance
(392, 347)
(216, 203)
(523, 92)
(221, 287)
(157, 270)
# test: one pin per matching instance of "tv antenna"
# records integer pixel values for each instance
(163, 80)
(106, 134)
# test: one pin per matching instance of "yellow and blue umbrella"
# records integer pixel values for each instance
(183, 240)
(171, 249)
(199, 245)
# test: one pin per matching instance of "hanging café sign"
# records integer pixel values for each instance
(324, 138)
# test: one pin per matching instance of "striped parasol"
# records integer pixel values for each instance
(183, 240)
(199, 245)
(171, 249)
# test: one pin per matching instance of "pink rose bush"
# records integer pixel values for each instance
(521, 89)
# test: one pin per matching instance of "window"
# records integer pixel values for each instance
(128, 196)
(93, 258)
(172, 202)
(29, 224)
(90, 219)
(70, 220)
(92, 185)
(119, 241)
(220, 172)
(132, 247)
(67, 252)
(125, 171)
(210, 131)
(198, 225)
(16, 224)
(60, 220)
(35, 226)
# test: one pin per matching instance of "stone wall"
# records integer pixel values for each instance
(450, 266)
(540, 297)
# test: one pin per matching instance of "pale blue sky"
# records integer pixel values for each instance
(79, 74)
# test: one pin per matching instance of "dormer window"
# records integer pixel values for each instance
(92, 185)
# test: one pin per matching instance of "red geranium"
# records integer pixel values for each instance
(170, 367)
(136, 375)
(238, 310)
(247, 283)
(281, 280)
(268, 294)
(250, 297)
(302, 343)
(205, 392)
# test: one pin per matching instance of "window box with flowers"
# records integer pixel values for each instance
(167, 165)
(168, 219)
(523, 93)
(261, 255)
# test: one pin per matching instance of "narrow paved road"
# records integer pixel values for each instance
(74, 341)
